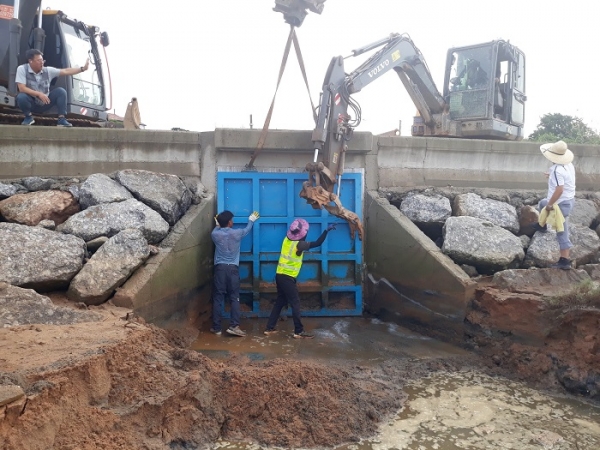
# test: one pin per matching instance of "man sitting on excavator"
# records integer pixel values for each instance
(33, 81)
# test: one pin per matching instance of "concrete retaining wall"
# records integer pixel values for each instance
(407, 161)
(55, 151)
(410, 278)
(176, 283)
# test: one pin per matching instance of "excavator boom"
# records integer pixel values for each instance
(473, 105)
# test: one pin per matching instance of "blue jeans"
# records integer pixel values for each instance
(58, 98)
(565, 207)
(287, 292)
(226, 282)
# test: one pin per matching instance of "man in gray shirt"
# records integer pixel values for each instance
(226, 280)
(33, 81)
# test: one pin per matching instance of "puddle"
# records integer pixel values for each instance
(365, 340)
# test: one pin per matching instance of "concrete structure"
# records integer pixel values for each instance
(407, 274)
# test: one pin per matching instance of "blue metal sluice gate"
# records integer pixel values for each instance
(330, 282)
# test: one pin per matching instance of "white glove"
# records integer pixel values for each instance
(253, 216)
(217, 222)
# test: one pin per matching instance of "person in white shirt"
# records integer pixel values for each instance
(561, 193)
(33, 82)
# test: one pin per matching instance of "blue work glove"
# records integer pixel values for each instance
(254, 216)
(331, 227)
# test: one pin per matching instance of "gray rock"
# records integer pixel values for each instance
(110, 266)
(196, 188)
(34, 184)
(20, 306)
(497, 212)
(108, 219)
(584, 212)
(7, 190)
(47, 224)
(543, 249)
(480, 243)
(544, 281)
(37, 258)
(164, 193)
(426, 209)
(99, 188)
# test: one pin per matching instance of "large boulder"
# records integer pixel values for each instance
(428, 212)
(481, 244)
(109, 267)
(20, 306)
(31, 208)
(499, 213)
(109, 219)
(164, 193)
(100, 188)
(36, 258)
(543, 249)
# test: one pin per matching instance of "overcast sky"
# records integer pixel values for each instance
(206, 64)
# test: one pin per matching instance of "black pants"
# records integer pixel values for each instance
(287, 292)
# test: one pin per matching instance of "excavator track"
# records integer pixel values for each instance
(16, 119)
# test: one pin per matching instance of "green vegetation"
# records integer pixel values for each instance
(557, 127)
(585, 295)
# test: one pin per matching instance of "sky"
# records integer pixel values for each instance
(206, 64)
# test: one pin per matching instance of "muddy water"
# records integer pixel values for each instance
(446, 411)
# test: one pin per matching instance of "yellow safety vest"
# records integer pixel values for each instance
(289, 262)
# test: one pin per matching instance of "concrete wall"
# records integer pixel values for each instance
(409, 278)
(55, 151)
(405, 161)
(176, 283)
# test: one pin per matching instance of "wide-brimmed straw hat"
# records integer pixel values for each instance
(558, 152)
(298, 229)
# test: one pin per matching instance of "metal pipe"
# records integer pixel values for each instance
(379, 43)
(316, 155)
(40, 14)
(16, 9)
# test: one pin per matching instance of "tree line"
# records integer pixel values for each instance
(560, 127)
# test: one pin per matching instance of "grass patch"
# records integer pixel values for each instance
(585, 295)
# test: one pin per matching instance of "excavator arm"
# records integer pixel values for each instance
(334, 126)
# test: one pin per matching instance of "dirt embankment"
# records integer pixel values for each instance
(121, 384)
(540, 342)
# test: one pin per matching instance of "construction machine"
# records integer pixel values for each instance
(65, 42)
(483, 97)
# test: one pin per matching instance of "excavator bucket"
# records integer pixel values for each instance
(294, 11)
(132, 119)
(318, 197)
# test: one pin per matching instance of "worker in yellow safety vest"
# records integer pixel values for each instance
(290, 262)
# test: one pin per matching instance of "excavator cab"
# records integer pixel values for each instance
(69, 43)
(65, 42)
(485, 83)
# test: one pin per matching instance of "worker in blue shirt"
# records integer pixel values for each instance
(226, 280)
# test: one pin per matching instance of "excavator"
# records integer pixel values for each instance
(65, 42)
(483, 97)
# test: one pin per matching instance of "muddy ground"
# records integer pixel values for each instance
(120, 383)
